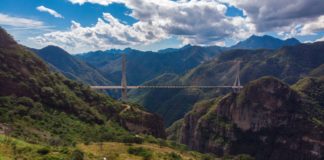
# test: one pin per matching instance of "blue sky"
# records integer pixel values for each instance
(86, 25)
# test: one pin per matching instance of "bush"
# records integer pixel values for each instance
(77, 155)
(43, 151)
(132, 139)
(243, 157)
(174, 156)
(140, 151)
(163, 143)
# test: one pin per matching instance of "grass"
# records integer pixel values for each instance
(12, 148)
(121, 151)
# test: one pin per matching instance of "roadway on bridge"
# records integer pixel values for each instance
(139, 87)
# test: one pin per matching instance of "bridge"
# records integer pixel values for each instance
(236, 87)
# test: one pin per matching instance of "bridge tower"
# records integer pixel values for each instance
(123, 80)
(237, 83)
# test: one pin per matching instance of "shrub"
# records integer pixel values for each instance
(243, 157)
(140, 151)
(43, 151)
(174, 156)
(26, 101)
(132, 139)
(77, 155)
(163, 143)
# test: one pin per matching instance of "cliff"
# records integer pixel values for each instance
(267, 120)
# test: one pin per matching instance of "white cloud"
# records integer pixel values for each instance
(50, 11)
(313, 27)
(320, 39)
(194, 22)
(199, 22)
(282, 15)
(108, 32)
(20, 22)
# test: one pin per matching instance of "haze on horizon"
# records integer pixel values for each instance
(88, 25)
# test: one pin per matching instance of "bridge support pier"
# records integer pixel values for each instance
(124, 80)
(237, 83)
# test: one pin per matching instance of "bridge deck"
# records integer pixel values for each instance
(152, 87)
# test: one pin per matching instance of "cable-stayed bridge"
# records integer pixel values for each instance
(235, 87)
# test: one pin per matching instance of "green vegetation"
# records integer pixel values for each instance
(312, 92)
(236, 122)
(288, 64)
(48, 117)
(140, 151)
(11, 148)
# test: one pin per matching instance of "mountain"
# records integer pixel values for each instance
(41, 106)
(265, 42)
(268, 120)
(289, 64)
(144, 66)
(71, 67)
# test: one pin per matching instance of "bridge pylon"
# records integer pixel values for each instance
(237, 83)
(124, 80)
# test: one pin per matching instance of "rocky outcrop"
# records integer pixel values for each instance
(267, 120)
(139, 121)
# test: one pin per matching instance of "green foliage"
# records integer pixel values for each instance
(243, 157)
(288, 64)
(140, 151)
(174, 156)
(43, 151)
(132, 139)
(77, 155)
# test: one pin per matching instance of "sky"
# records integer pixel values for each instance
(80, 26)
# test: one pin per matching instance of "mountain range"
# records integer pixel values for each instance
(70, 66)
(144, 66)
(269, 119)
(186, 65)
(45, 115)
(104, 67)
(289, 64)
(264, 42)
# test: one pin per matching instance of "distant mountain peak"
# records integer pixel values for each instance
(264, 42)
(293, 40)
(51, 49)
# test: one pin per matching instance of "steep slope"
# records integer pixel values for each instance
(71, 67)
(264, 42)
(144, 66)
(42, 106)
(288, 64)
(267, 120)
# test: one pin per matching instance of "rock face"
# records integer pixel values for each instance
(139, 121)
(267, 120)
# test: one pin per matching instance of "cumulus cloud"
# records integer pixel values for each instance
(283, 15)
(194, 22)
(313, 27)
(50, 11)
(20, 22)
(108, 32)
